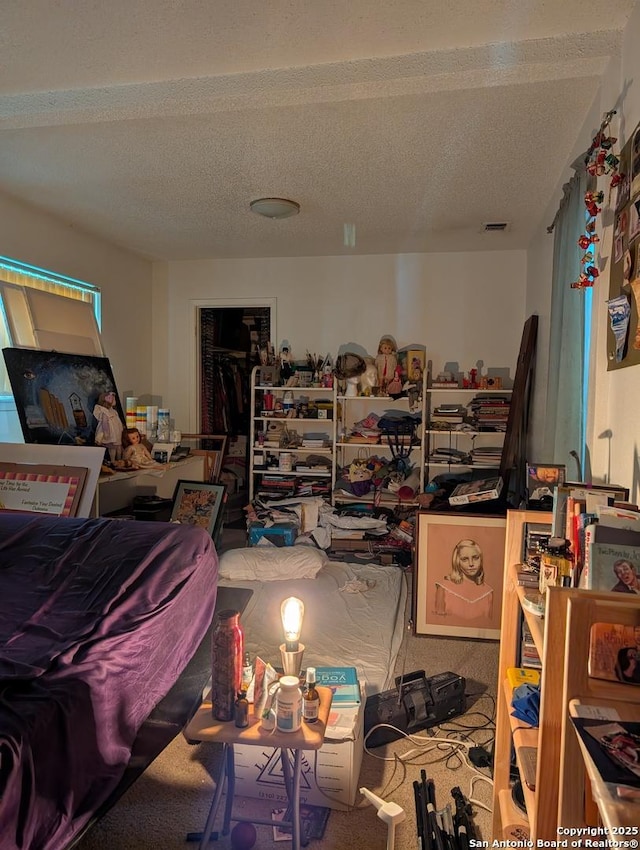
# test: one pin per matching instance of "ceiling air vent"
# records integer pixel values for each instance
(495, 226)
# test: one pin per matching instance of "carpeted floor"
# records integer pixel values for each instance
(174, 794)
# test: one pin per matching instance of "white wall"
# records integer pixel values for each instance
(33, 237)
(463, 307)
(614, 397)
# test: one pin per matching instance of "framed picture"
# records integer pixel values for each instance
(199, 503)
(41, 488)
(416, 361)
(459, 575)
(542, 478)
(56, 394)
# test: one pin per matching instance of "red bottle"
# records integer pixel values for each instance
(227, 652)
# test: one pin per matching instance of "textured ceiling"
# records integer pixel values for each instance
(154, 123)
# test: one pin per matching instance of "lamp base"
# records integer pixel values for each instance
(291, 661)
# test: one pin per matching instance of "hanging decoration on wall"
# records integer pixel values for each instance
(600, 160)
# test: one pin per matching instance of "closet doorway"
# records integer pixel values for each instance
(229, 336)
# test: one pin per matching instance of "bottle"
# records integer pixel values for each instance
(242, 710)
(310, 698)
(164, 424)
(288, 705)
(227, 648)
(247, 671)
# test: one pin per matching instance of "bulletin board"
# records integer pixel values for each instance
(624, 279)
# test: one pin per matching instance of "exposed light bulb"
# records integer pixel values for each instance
(292, 613)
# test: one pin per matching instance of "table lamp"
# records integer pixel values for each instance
(292, 613)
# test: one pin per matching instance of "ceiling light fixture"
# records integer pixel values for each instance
(274, 207)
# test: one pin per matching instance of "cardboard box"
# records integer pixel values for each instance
(329, 776)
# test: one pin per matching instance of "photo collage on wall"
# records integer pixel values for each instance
(625, 268)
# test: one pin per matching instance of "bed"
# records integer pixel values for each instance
(354, 612)
(98, 620)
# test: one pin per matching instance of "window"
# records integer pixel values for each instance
(568, 373)
(40, 309)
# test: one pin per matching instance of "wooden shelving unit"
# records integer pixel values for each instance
(562, 640)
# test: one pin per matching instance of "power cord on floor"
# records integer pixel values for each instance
(458, 749)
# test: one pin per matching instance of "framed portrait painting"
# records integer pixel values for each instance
(199, 503)
(459, 575)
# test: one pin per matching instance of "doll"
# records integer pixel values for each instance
(135, 452)
(109, 428)
(386, 361)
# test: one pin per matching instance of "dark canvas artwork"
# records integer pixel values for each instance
(55, 394)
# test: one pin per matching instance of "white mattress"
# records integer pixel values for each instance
(362, 630)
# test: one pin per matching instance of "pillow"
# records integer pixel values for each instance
(271, 563)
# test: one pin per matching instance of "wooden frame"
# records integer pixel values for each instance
(199, 503)
(213, 457)
(459, 569)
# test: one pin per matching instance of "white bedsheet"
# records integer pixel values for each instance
(362, 630)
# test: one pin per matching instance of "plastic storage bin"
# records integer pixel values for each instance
(283, 534)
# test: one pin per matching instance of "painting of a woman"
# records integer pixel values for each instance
(460, 574)
(463, 592)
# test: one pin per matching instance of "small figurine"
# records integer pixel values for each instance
(286, 363)
(135, 452)
(386, 361)
(109, 428)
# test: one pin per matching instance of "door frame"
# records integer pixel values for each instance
(198, 304)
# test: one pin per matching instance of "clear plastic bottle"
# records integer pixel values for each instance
(288, 705)
(310, 698)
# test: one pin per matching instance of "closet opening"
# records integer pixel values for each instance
(229, 338)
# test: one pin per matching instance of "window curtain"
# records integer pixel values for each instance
(565, 419)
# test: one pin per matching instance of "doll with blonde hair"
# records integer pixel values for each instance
(386, 361)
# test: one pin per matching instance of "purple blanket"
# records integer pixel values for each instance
(97, 620)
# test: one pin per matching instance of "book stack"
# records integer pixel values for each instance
(490, 412)
(313, 487)
(486, 456)
(528, 578)
(446, 454)
(277, 487)
(448, 414)
(316, 441)
(577, 510)
(529, 656)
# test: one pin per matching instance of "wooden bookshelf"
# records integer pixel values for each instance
(562, 639)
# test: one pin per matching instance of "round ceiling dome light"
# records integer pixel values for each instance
(274, 207)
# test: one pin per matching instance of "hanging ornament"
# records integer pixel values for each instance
(600, 161)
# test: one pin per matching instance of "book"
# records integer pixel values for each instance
(604, 494)
(612, 651)
(613, 551)
(343, 682)
(481, 490)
